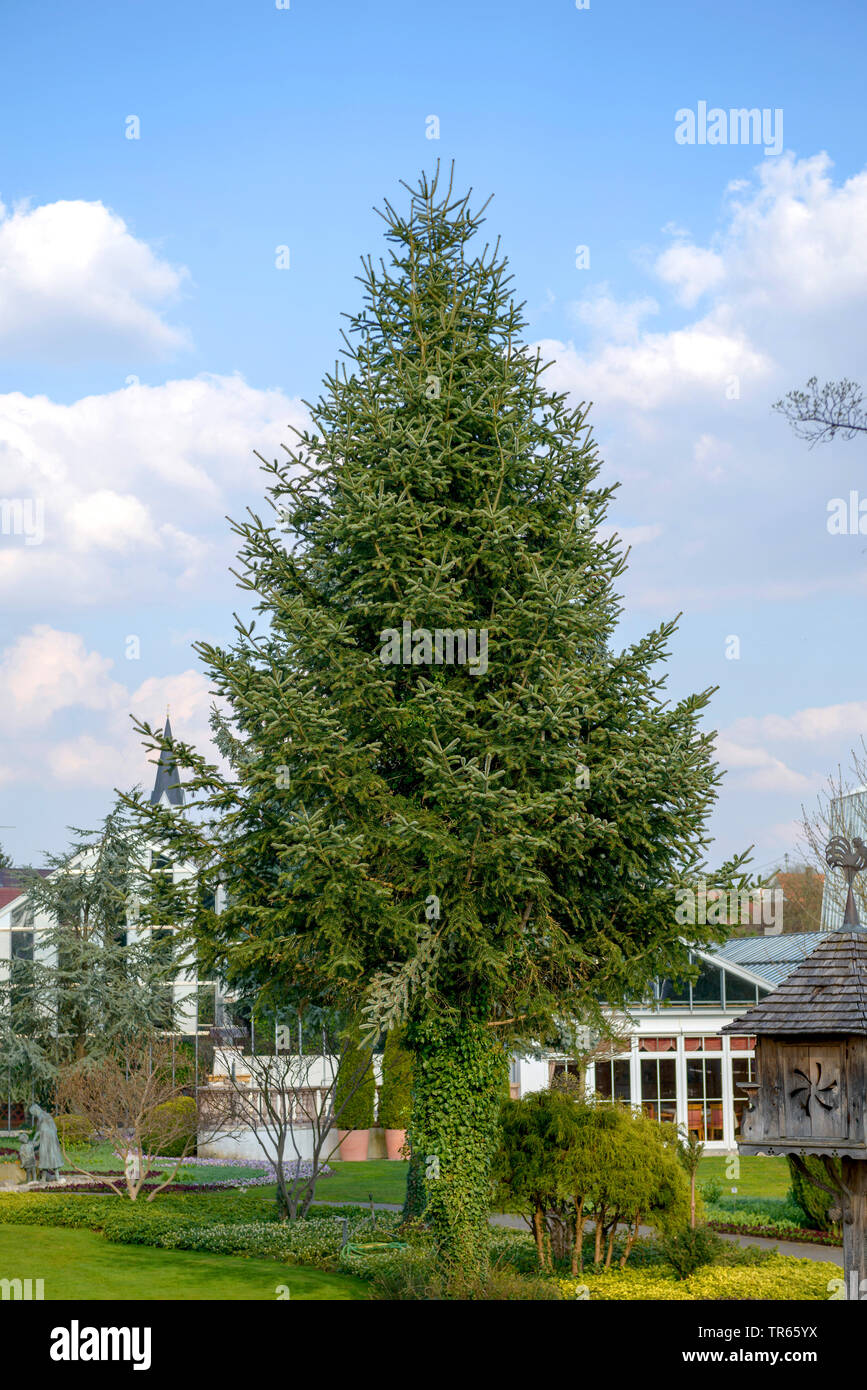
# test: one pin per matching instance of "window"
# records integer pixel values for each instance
(738, 991)
(612, 1079)
(22, 945)
(674, 992)
(659, 1088)
(707, 990)
(657, 1044)
(704, 1098)
(22, 917)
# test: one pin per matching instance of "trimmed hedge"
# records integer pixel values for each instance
(395, 1096)
(355, 1092)
(177, 1119)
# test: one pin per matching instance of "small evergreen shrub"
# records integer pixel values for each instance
(688, 1249)
(355, 1092)
(174, 1128)
(396, 1094)
(73, 1131)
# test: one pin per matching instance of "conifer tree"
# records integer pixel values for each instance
(94, 978)
(470, 848)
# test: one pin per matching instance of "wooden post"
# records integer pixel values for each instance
(855, 1227)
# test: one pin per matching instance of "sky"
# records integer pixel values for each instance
(154, 160)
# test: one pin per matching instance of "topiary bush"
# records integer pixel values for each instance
(395, 1097)
(73, 1131)
(173, 1129)
(355, 1092)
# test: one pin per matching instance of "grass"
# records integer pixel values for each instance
(98, 1158)
(354, 1182)
(757, 1177)
(83, 1265)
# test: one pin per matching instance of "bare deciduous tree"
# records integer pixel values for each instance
(820, 413)
(128, 1101)
(839, 812)
(288, 1102)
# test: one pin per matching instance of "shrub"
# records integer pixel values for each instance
(816, 1204)
(690, 1248)
(396, 1094)
(562, 1160)
(355, 1092)
(711, 1190)
(778, 1277)
(173, 1128)
(73, 1131)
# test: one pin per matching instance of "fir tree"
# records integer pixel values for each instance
(468, 849)
(95, 978)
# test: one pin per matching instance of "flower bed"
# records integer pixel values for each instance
(778, 1230)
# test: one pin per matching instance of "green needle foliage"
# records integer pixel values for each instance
(95, 978)
(469, 851)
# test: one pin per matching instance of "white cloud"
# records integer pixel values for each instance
(135, 485)
(692, 270)
(73, 278)
(47, 673)
(759, 769)
(611, 318)
(813, 725)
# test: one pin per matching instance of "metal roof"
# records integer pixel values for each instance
(771, 957)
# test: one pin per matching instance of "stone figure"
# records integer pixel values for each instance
(27, 1158)
(50, 1153)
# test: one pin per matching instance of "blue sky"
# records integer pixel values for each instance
(152, 261)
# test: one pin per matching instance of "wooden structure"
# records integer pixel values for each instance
(810, 1096)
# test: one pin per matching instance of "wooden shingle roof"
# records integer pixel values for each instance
(826, 994)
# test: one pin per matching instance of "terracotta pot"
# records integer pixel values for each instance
(394, 1142)
(353, 1144)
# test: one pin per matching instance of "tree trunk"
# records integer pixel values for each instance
(460, 1080)
(600, 1221)
(538, 1234)
(578, 1243)
(855, 1227)
(631, 1240)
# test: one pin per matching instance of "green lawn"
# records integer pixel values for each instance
(757, 1177)
(83, 1265)
(354, 1182)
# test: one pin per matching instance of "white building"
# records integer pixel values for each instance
(20, 930)
(674, 1063)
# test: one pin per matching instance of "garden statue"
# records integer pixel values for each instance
(50, 1153)
(27, 1158)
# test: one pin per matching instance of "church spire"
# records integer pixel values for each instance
(167, 782)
